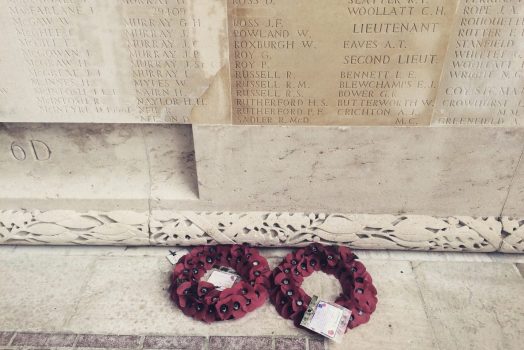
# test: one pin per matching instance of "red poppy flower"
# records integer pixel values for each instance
(253, 298)
(286, 279)
(294, 258)
(209, 315)
(305, 268)
(224, 312)
(239, 305)
(345, 301)
(204, 288)
(315, 249)
(178, 270)
(357, 318)
(292, 273)
(264, 281)
(346, 254)
(212, 297)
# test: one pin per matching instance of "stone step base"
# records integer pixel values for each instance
(95, 294)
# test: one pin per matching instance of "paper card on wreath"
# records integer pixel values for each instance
(175, 255)
(327, 319)
(222, 278)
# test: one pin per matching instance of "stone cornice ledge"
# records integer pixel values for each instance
(170, 228)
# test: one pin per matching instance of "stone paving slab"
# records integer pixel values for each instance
(473, 306)
(117, 298)
(40, 291)
(25, 340)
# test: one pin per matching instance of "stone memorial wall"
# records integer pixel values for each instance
(284, 62)
(361, 122)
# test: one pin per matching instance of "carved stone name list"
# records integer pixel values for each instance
(330, 62)
(483, 80)
(338, 61)
(108, 61)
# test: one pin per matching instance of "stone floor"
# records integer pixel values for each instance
(65, 297)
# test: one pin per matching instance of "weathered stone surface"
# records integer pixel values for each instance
(108, 341)
(177, 343)
(483, 78)
(466, 307)
(290, 344)
(61, 166)
(251, 62)
(441, 171)
(240, 343)
(5, 337)
(172, 167)
(96, 167)
(514, 205)
(43, 339)
(51, 290)
(316, 344)
(29, 339)
(372, 65)
(104, 62)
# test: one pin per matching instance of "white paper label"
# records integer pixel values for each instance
(221, 279)
(327, 319)
(175, 255)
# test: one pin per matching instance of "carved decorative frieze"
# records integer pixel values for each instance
(513, 235)
(170, 228)
(409, 232)
(71, 227)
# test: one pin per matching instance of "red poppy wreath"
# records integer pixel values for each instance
(202, 301)
(358, 293)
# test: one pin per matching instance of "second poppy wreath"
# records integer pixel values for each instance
(359, 295)
(202, 300)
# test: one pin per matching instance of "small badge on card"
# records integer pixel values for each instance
(327, 319)
(222, 278)
(175, 255)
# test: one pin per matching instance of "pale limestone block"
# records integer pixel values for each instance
(514, 205)
(469, 304)
(88, 167)
(41, 292)
(114, 62)
(171, 162)
(429, 171)
(400, 317)
(97, 167)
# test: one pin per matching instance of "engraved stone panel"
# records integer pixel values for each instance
(129, 61)
(95, 167)
(48, 166)
(483, 78)
(355, 62)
